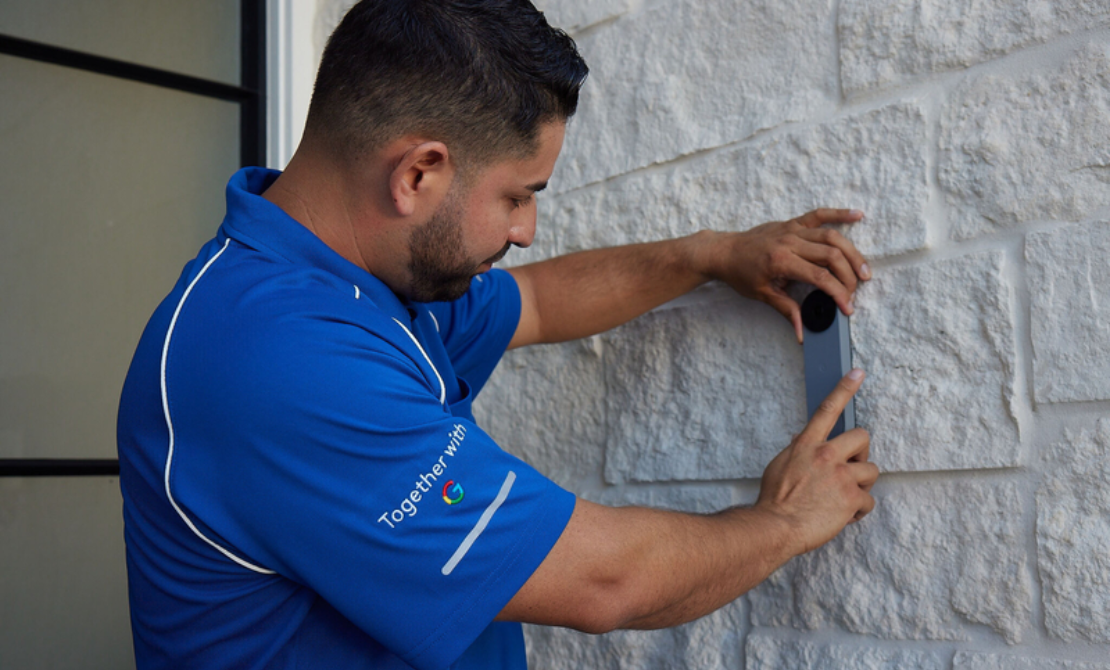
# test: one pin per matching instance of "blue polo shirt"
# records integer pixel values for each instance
(303, 481)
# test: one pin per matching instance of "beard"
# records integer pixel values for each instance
(438, 264)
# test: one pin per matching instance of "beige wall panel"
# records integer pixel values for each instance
(64, 582)
(108, 188)
(198, 37)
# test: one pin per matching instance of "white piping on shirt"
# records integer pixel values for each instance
(434, 319)
(357, 292)
(442, 388)
(169, 421)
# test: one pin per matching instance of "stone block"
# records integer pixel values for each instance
(1028, 146)
(545, 404)
(885, 42)
(574, 15)
(714, 391)
(975, 661)
(937, 341)
(680, 77)
(1069, 286)
(1073, 536)
(707, 392)
(713, 642)
(767, 653)
(874, 161)
(928, 561)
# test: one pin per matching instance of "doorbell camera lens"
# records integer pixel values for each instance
(818, 311)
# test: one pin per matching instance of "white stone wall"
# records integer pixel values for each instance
(976, 136)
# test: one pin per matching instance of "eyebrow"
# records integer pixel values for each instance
(537, 187)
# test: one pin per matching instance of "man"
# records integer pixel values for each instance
(303, 482)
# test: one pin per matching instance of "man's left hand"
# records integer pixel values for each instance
(758, 263)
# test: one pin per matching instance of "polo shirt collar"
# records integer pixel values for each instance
(260, 224)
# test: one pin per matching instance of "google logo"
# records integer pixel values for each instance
(452, 492)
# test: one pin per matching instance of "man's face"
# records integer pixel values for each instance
(475, 225)
(439, 266)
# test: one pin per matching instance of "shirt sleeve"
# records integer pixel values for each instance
(477, 328)
(317, 447)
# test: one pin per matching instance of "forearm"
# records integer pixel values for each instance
(717, 559)
(589, 292)
(586, 293)
(643, 568)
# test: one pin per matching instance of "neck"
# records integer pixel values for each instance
(315, 193)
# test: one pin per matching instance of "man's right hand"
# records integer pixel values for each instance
(820, 485)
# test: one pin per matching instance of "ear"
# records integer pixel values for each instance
(421, 178)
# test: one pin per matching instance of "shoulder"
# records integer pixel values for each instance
(260, 296)
(248, 316)
(493, 300)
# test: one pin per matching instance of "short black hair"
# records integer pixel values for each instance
(481, 75)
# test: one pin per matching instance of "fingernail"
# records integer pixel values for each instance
(856, 212)
(855, 375)
(865, 271)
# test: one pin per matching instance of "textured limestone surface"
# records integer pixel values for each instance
(767, 653)
(929, 560)
(937, 341)
(1069, 283)
(874, 161)
(1073, 536)
(885, 42)
(545, 405)
(973, 661)
(713, 642)
(1029, 146)
(572, 15)
(678, 77)
(707, 392)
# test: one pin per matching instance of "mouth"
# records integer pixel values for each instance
(498, 256)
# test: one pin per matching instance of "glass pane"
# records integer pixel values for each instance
(198, 37)
(64, 582)
(109, 187)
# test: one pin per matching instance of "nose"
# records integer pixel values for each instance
(523, 230)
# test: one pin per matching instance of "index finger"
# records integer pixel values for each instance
(825, 215)
(818, 428)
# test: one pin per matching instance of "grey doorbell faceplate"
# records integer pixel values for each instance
(828, 355)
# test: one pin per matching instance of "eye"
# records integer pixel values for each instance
(521, 202)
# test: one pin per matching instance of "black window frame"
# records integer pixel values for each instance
(251, 97)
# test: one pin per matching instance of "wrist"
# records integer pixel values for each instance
(782, 534)
(704, 253)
